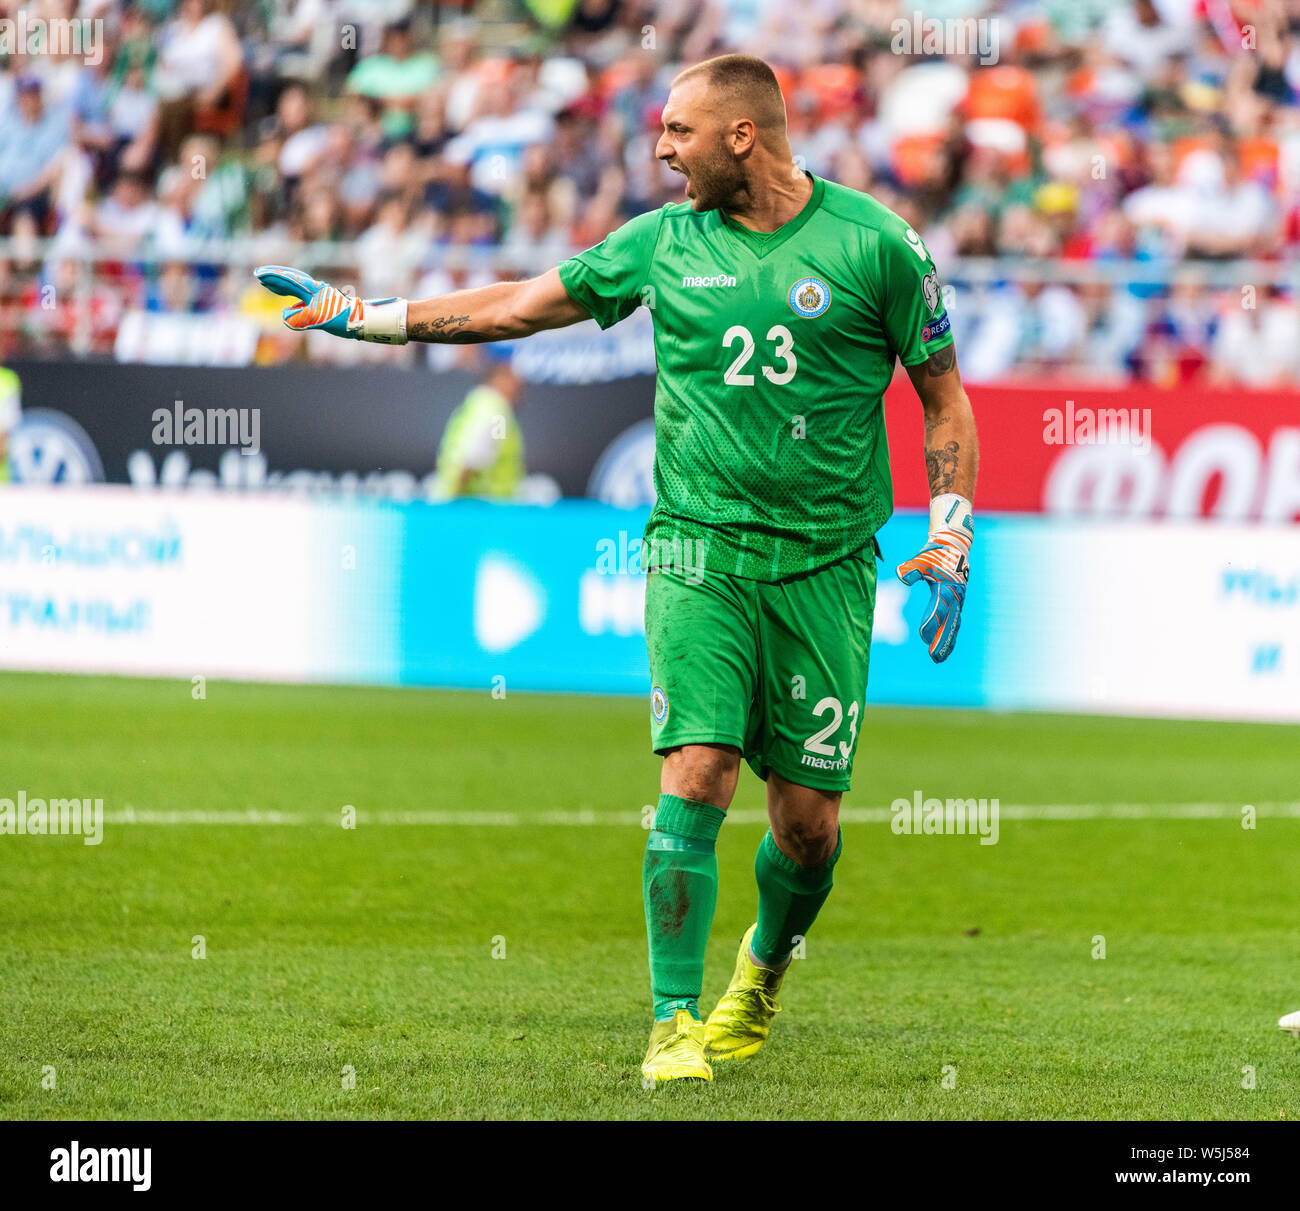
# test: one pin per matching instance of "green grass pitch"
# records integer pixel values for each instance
(937, 962)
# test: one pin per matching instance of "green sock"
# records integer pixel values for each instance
(789, 898)
(679, 880)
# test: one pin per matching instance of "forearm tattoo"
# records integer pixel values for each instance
(444, 330)
(941, 466)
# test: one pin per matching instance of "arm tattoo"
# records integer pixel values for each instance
(941, 361)
(445, 330)
(941, 467)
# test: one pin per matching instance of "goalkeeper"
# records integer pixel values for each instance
(780, 304)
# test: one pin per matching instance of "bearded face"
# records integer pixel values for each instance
(695, 143)
(713, 175)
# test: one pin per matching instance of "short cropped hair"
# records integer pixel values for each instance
(748, 82)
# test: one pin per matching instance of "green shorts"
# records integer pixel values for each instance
(778, 670)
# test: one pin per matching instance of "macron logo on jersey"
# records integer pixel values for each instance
(718, 279)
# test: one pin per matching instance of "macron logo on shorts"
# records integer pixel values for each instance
(833, 763)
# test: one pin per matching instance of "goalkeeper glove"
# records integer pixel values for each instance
(323, 306)
(944, 564)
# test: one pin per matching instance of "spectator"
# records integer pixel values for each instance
(175, 291)
(1229, 215)
(203, 196)
(386, 251)
(493, 144)
(1137, 35)
(1160, 211)
(199, 61)
(128, 217)
(304, 143)
(303, 34)
(397, 76)
(536, 241)
(640, 99)
(1258, 346)
(132, 122)
(30, 142)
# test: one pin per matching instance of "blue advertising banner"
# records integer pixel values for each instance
(552, 599)
(1059, 615)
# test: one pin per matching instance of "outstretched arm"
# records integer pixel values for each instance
(499, 312)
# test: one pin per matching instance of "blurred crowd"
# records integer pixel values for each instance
(446, 144)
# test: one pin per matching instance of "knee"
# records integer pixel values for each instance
(705, 773)
(807, 840)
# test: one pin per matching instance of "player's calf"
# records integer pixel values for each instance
(790, 895)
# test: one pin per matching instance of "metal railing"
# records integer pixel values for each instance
(49, 270)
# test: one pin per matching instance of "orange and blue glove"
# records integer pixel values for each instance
(944, 564)
(326, 308)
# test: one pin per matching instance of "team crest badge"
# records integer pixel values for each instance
(659, 703)
(809, 297)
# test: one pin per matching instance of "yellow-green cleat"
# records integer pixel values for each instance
(741, 1020)
(677, 1050)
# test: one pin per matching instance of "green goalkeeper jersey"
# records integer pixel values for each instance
(774, 351)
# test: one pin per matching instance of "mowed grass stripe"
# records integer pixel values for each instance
(590, 819)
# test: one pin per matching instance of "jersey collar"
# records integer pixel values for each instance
(760, 243)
